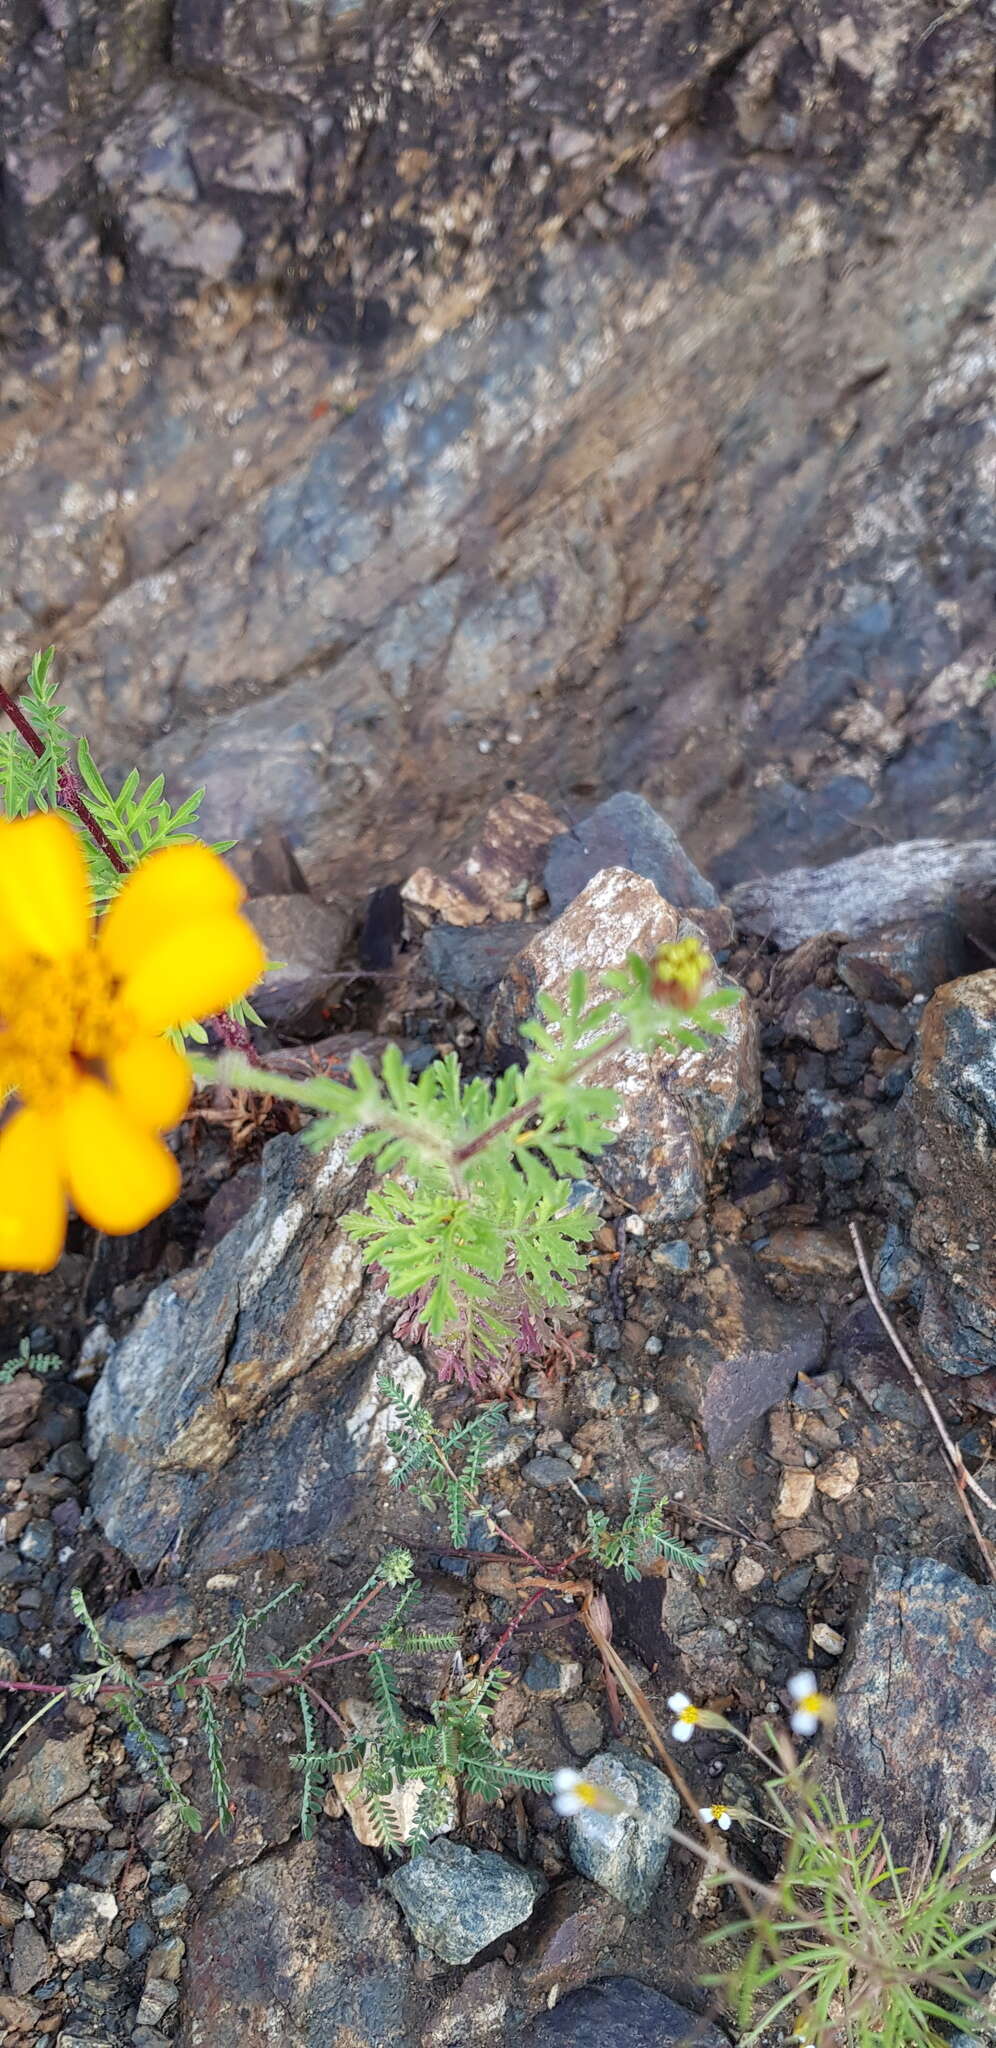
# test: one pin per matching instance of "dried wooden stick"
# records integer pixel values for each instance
(962, 1476)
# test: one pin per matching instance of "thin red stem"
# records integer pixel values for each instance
(70, 796)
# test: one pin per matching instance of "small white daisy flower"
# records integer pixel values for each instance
(811, 1706)
(992, 1877)
(686, 1716)
(573, 1793)
(719, 1816)
(565, 1793)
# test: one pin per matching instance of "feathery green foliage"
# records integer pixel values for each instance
(640, 1537)
(471, 1221)
(26, 1360)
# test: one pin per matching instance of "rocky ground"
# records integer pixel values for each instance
(215, 1434)
(407, 406)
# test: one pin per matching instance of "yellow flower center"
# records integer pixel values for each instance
(689, 1714)
(811, 1702)
(58, 1019)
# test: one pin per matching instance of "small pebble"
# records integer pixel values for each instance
(747, 1573)
(838, 1477)
(795, 1495)
(828, 1639)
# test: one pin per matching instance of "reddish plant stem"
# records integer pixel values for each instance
(524, 1110)
(69, 794)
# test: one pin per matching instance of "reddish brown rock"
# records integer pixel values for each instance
(20, 1401)
(676, 1108)
(491, 882)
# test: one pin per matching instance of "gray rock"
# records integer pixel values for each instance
(469, 961)
(867, 890)
(904, 960)
(32, 1853)
(734, 1350)
(305, 1932)
(30, 1959)
(36, 1786)
(675, 1108)
(621, 2012)
(148, 1622)
(626, 1852)
(548, 1472)
(81, 1922)
(248, 1447)
(457, 1901)
(305, 939)
(624, 832)
(945, 1147)
(915, 1740)
(822, 1017)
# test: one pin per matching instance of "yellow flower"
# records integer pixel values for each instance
(680, 967)
(82, 1012)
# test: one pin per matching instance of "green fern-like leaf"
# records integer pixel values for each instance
(216, 1761)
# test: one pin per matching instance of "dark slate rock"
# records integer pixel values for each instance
(823, 1018)
(622, 2012)
(903, 960)
(734, 1351)
(885, 885)
(150, 1621)
(469, 961)
(915, 1741)
(222, 1420)
(305, 940)
(306, 1933)
(625, 832)
(945, 1148)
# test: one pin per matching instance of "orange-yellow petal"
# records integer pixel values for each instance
(182, 885)
(32, 1199)
(119, 1175)
(193, 971)
(44, 891)
(153, 1080)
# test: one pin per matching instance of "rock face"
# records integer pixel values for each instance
(301, 1948)
(222, 1423)
(676, 1107)
(946, 1150)
(623, 2012)
(457, 1901)
(370, 549)
(915, 1743)
(626, 1852)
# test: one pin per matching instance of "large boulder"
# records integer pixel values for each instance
(945, 1147)
(915, 1742)
(301, 1948)
(881, 886)
(240, 1413)
(676, 1107)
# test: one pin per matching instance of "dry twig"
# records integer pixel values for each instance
(962, 1476)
